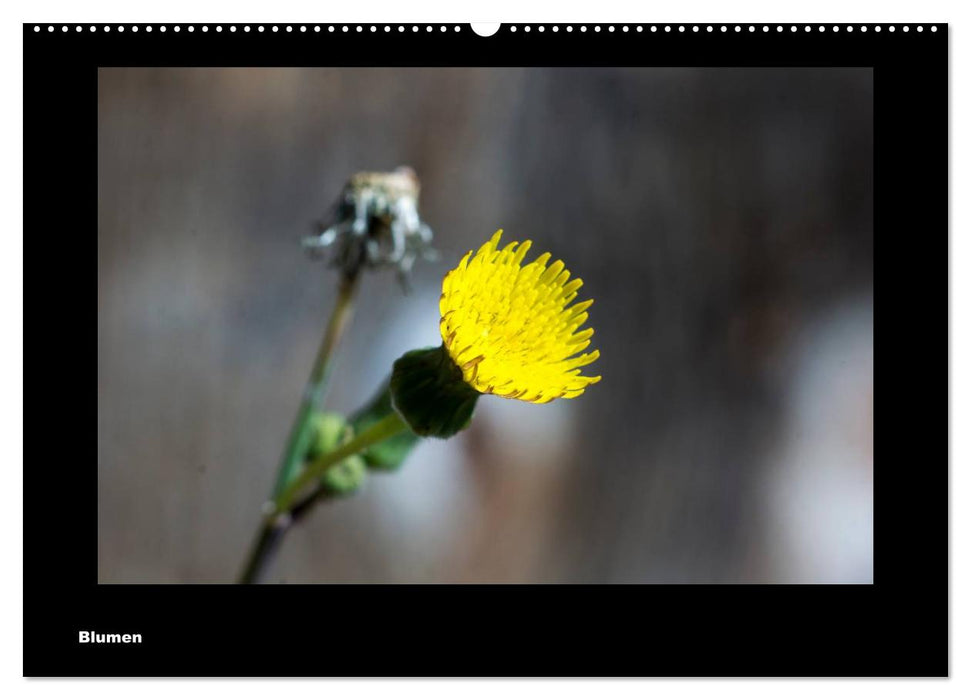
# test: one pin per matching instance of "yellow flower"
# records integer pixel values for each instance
(510, 328)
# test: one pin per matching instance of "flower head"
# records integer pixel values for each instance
(510, 328)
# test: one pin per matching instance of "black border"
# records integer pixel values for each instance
(896, 627)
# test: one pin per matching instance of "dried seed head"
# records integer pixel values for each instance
(376, 224)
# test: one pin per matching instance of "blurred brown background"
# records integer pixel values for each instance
(721, 218)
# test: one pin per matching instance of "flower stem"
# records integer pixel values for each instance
(270, 534)
(288, 508)
(388, 426)
(316, 385)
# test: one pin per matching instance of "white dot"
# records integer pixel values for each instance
(709, 28)
(906, 29)
(246, 28)
(36, 28)
(893, 29)
(64, 29)
(640, 29)
(822, 29)
(765, 29)
(877, 28)
(414, 28)
(849, 29)
(457, 28)
(667, 28)
(920, 29)
(738, 28)
(694, 28)
(373, 28)
(176, 28)
(77, 28)
(863, 28)
(428, 28)
(653, 28)
(751, 28)
(779, 28)
(681, 28)
(260, 28)
(512, 29)
(933, 29)
(569, 29)
(836, 29)
(808, 28)
(540, 29)
(724, 28)
(344, 28)
(121, 29)
(317, 28)
(793, 27)
(386, 28)
(400, 28)
(93, 28)
(289, 28)
(626, 29)
(276, 28)
(107, 29)
(219, 28)
(527, 28)
(555, 28)
(583, 29)
(610, 29)
(303, 28)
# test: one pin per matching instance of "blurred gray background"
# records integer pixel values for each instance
(721, 218)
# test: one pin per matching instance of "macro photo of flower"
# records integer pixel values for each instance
(347, 331)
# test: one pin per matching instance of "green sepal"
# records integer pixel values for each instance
(429, 392)
(391, 453)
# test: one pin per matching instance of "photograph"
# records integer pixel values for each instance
(485, 325)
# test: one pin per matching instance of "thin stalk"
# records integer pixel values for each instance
(271, 534)
(272, 531)
(288, 508)
(316, 385)
(388, 426)
(264, 548)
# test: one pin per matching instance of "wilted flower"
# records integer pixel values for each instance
(376, 224)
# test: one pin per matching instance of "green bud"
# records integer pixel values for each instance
(345, 477)
(327, 431)
(429, 392)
